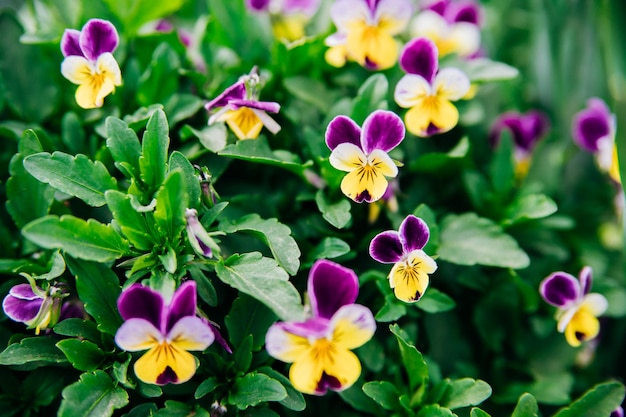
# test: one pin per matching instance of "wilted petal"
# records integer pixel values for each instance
(382, 130)
(414, 233)
(140, 302)
(98, 37)
(137, 334)
(353, 325)
(330, 287)
(347, 157)
(451, 84)
(386, 247)
(560, 289)
(183, 304)
(411, 90)
(420, 57)
(191, 333)
(70, 43)
(342, 129)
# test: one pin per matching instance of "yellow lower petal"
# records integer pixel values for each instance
(165, 358)
(289, 27)
(336, 56)
(614, 169)
(583, 326)
(409, 279)
(373, 44)
(365, 183)
(443, 114)
(417, 120)
(243, 122)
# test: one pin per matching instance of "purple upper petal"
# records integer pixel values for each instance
(438, 6)
(419, 56)
(97, 37)
(183, 304)
(315, 327)
(342, 129)
(257, 5)
(560, 289)
(382, 130)
(526, 129)
(386, 247)
(234, 92)
(464, 11)
(307, 7)
(591, 124)
(70, 43)
(19, 308)
(585, 278)
(141, 302)
(268, 106)
(23, 292)
(414, 233)
(331, 286)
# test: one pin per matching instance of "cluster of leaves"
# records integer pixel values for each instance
(97, 199)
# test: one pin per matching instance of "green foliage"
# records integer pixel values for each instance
(95, 394)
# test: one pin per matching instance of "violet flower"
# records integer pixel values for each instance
(89, 61)
(320, 347)
(198, 237)
(37, 308)
(168, 330)
(288, 17)
(577, 308)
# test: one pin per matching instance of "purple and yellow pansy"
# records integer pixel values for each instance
(288, 17)
(320, 348)
(363, 153)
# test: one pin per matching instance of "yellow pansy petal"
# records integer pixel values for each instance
(289, 27)
(383, 163)
(451, 84)
(353, 325)
(191, 333)
(417, 120)
(285, 346)
(364, 184)
(244, 123)
(365, 42)
(164, 360)
(306, 373)
(347, 157)
(411, 90)
(583, 326)
(344, 366)
(108, 67)
(76, 69)
(409, 278)
(336, 56)
(444, 115)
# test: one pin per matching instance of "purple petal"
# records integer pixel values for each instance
(70, 43)
(331, 286)
(315, 327)
(257, 5)
(218, 336)
(21, 310)
(386, 247)
(269, 106)
(591, 124)
(183, 304)
(97, 37)
(24, 292)
(438, 6)
(382, 130)
(342, 129)
(236, 91)
(618, 412)
(328, 382)
(526, 129)
(141, 302)
(413, 233)
(560, 289)
(467, 11)
(585, 278)
(419, 56)
(306, 7)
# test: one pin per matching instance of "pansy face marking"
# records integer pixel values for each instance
(89, 61)
(578, 310)
(427, 92)
(320, 347)
(409, 276)
(362, 153)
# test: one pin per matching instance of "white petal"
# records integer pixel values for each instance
(411, 89)
(137, 334)
(267, 120)
(430, 25)
(466, 36)
(596, 303)
(347, 157)
(451, 83)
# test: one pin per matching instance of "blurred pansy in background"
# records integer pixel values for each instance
(168, 329)
(37, 308)
(363, 153)
(578, 309)
(593, 129)
(89, 61)
(365, 32)
(526, 129)
(454, 26)
(288, 17)
(427, 91)
(320, 347)
(240, 108)
(404, 248)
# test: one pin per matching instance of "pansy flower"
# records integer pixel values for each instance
(454, 26)
(404, 248)
(365, 32)
(362, 153)
(167, 330)
(240, 108)
(320, 347)
(526, 130)
(578, 310)
(37, 308)
(427, 91)
(593, 130)
(288, 17)
(89, 61)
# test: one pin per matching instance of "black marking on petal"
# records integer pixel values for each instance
(167, 376)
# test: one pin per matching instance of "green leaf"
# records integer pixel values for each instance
(264, 280)
(384, 393)
(482, 70)
(43, 386)
(27, 198)
(89, 240)
(328, 248)
(477, 412)
(258, 151)
(172, 200)
(502, 166)
(124, 146)
(526, 406)
(467, 239)
(77, 175)
(255, 388)
(74, 327)
(414, 364)
(213, 138)
(465, 392)
(206, 290)
(294, 400)
(181, 106)
(598, 401)
(337, 214)
(435, 410)
(94, 395)
(135, 226)
(98, 287)
(247, 316)
(32, 350)
(372, 95)
(439, 161)
(159, 82)
(178, 161)
(530, 206)
(205, 387)
(242, 356)
(82, 354)
(310, 91)
(434, 301)
(155, 144)
(275, 235)
(139, 12)
(72, 133)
